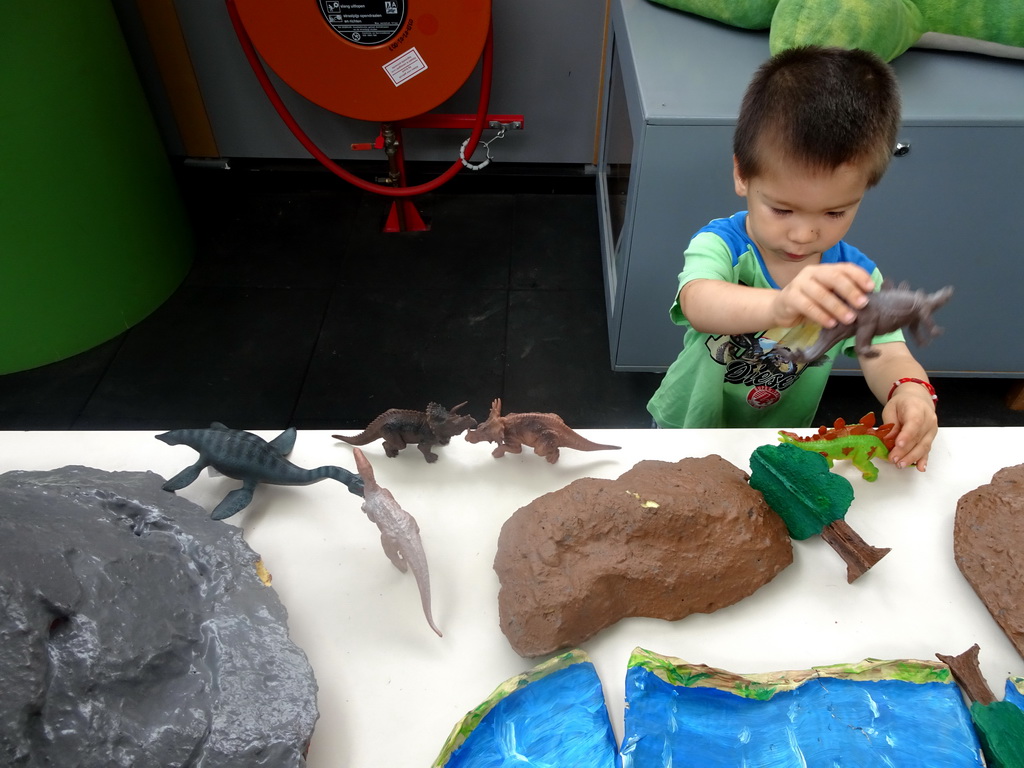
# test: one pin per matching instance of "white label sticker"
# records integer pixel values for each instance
(405, 67)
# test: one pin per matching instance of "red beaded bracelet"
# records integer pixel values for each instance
(925, 384)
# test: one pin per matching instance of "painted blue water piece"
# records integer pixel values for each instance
(905, 714)
(1015, 691)
(553, 715)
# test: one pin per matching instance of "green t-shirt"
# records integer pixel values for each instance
(736, 381)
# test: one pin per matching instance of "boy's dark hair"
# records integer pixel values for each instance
(821, 108)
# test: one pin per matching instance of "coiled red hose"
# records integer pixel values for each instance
(368, 186)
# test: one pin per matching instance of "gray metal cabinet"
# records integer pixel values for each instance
(949, 212)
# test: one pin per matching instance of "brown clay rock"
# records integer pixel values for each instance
(988, 543)
(663, 541)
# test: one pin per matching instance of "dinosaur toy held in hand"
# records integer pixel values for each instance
(887, 310)
(249, 458)
(399, 428)
(544, 432)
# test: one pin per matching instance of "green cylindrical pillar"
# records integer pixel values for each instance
(93, 235)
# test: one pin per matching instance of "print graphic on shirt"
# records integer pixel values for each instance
(750, 358)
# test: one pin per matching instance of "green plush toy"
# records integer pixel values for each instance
(885, 27)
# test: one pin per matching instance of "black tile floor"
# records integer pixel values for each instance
(299, 311)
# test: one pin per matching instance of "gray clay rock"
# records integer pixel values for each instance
(988, 543)
(664, 540)
(135, 631)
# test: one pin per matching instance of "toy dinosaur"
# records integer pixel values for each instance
(399, 533)
(857, 442)
(544, 432)
(249, 458)
(887, 310)
(839, 428)
(399, 428)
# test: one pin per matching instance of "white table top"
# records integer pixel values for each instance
(380, 667)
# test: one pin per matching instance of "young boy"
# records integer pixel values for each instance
(816, 130)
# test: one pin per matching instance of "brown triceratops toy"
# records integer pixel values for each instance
(544, 432)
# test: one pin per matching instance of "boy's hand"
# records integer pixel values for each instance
(912, 410)
(826, 294)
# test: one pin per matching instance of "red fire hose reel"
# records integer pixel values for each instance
(381, 60)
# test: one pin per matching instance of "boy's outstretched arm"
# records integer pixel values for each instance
(910, 408)
(821, 293)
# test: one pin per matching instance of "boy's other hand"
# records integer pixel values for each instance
(827, 294)
(912, 411)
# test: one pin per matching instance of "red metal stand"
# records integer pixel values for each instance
(403, 216)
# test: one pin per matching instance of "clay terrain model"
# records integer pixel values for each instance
(399, 428)
(138, 633)
(887, 310)
(399, 533)
(664, 540)
(544, 432)
(247, 457)
(988, 544)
